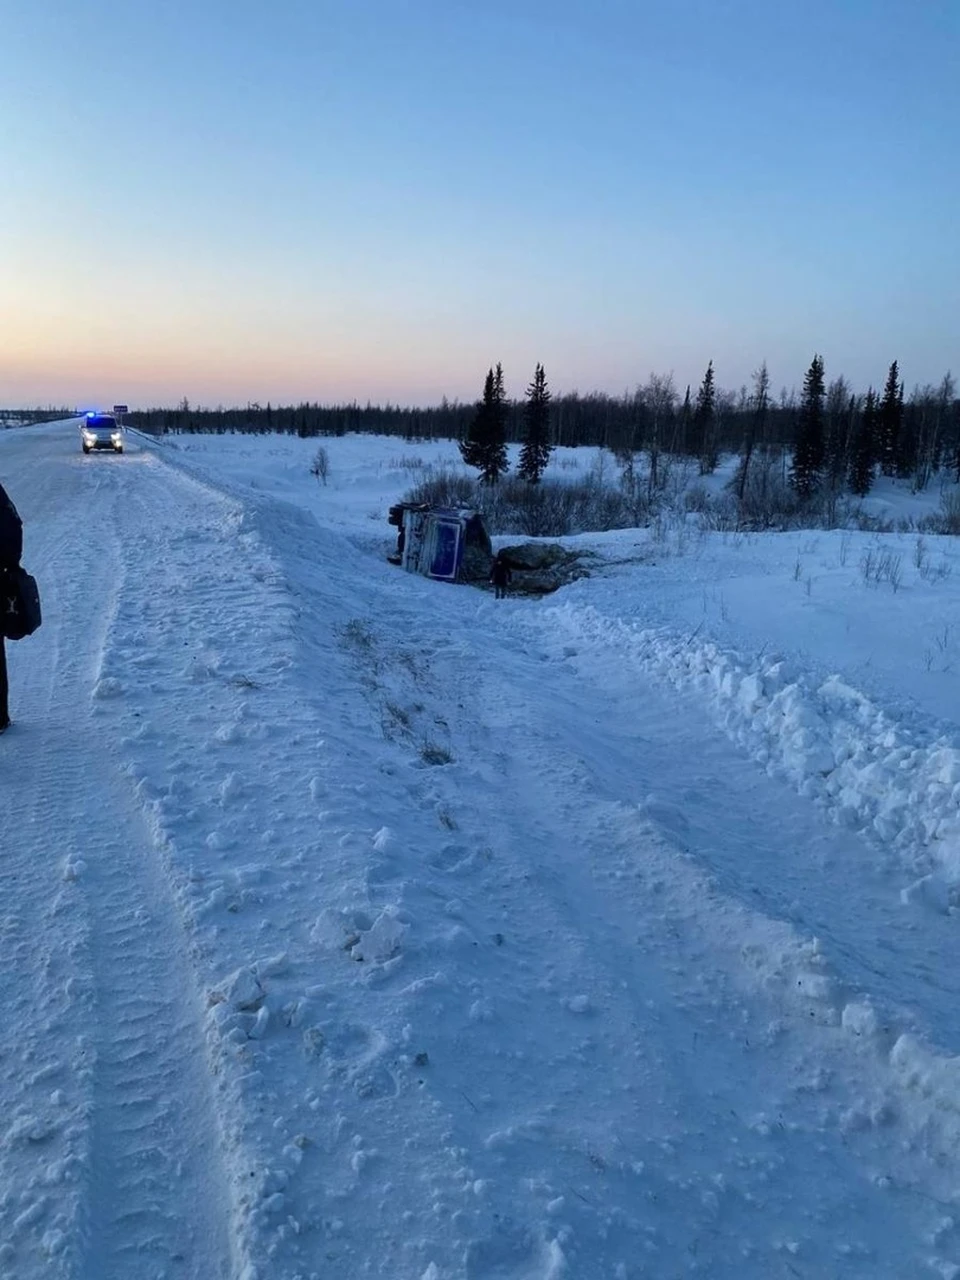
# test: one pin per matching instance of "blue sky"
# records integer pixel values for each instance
(327, 201)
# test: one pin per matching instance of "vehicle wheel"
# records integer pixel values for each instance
(86, 449)
(120, 448)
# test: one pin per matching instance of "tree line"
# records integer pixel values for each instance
(33, 417)
(828, 436)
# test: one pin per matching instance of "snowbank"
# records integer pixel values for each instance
(885, 779)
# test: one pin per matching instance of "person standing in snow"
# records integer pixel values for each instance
(11, 549)
(501, 577)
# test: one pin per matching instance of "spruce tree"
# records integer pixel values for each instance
(907, 447)
(945, 398)
(704, 422)
(535, 453)
(486, 444)
(838, 423)
(807, 470)
(685, 424)
(863, 452)
(889, 421)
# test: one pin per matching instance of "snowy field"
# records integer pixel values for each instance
(356, 925)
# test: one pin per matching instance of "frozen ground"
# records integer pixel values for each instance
(357, 925)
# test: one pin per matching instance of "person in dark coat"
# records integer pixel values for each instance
(501, 577)
(11, 549)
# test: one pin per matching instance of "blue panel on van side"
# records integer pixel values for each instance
(447, 550)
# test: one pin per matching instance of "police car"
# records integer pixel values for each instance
(100, 431)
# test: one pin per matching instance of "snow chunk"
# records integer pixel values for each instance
(260, 1023)
(27, 1128)
(579, 1004)
(750, 693)
(230, 788)
(53, 1242)
(108, 687)
(73, 867)
(944, 765)
(333, 930)
(382, 940)
(383, 839)
(272, 966)
(927, 1073)
(860, 1018)
(242, 990)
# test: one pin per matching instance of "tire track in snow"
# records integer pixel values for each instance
(47, 1088)
(157, 1198)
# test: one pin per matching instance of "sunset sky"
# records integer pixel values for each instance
(236, 200)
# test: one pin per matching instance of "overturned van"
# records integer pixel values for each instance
(449, 544)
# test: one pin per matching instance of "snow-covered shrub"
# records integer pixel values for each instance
(949, 518)
(696, 498)
(554, 509)
(868, 523)
(935, 572)
(411, 462)
(445, 487)
(550, 509)
(765, 499)
(320, 466)
(879, 565)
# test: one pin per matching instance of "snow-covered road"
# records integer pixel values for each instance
(355, 925)
(111, 1163)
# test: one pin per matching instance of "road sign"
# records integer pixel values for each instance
(120, 408)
